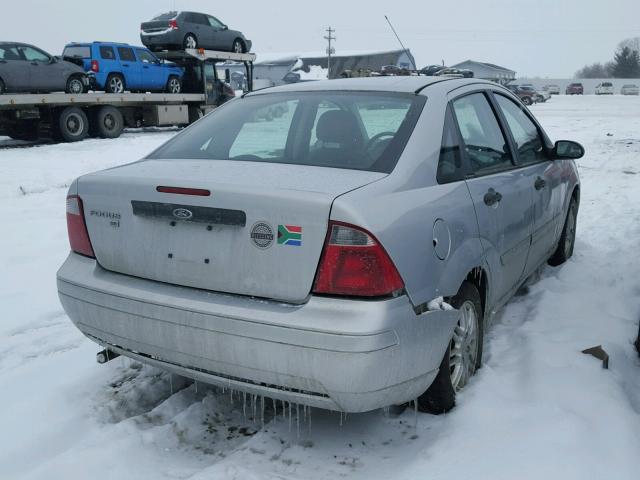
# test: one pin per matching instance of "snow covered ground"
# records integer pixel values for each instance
(537, 409)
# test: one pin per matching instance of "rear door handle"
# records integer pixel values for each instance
(492, 197)
(540, 183)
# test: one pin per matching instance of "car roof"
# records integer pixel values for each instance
(19, 44)
(400, 84)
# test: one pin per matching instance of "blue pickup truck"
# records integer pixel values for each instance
(117, 67)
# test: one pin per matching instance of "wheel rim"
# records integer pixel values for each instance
(174, 85)
(190, 42)
(74, 124)
(109, 122)
(116, 85)
(571, 232)
(464, 346)
(237, 47)
(75, 86)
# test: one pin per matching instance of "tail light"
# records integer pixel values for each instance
(95, 66)
(173, 24)
(354, 263)
(77, 228)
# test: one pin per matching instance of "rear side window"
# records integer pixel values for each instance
(449, 163)
(524, 131)
(107, 53)
(484, 142)
(77, 52)
(9, 53)
(197, 18)
(126, 54)
(354, 130)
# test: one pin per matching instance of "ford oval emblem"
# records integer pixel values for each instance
(182, 213)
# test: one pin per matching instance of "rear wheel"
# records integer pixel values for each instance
(463, 355)
(527, 100)
(75, 85)
(567, 237)
(72, 124)
(115, 84)
(238, 46)
(174, 85)
(190, 41)
(108, 122)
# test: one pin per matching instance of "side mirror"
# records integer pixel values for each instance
(53, 59)
(224, 27)
(567, 150)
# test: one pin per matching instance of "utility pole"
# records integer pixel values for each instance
(330, 49)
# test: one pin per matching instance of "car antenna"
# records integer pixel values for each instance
(401, 44)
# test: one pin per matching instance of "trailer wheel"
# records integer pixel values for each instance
(108, 122)
(73, 125)
(25, 130)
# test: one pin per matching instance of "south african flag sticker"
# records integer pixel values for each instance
(290, 235)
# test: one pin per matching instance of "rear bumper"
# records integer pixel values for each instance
(166, 37)
(337, 354)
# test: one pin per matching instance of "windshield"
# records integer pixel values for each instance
(77, 52)
(361, 131)
(165, 16)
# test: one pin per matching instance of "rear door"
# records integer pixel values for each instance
(131, 68)
(544, 177)
(14, 69)
(501, 193)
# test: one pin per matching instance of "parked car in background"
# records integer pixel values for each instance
(322, 198)
(117, 67)
(630, 89)
(455, 71)
(25, 68)
(540, 96)
(431, 70)
(528, 96)
(178, 30)
(574, 89)
(553, 89)
(604, 88)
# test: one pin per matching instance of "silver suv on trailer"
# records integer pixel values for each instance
(297, 242)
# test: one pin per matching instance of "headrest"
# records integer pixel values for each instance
(338, 126)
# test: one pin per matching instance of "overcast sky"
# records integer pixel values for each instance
(547, 38)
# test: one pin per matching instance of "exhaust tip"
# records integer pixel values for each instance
(105, 356)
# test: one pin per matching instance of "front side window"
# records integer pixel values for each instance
(524, 131)
(145, 56)
(33, 55)
(126, 54)
(362, 131)
(215, 23)
(484, 143)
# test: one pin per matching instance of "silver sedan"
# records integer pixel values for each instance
(342, 244)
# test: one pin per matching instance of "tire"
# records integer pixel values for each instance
(72, 124)
(190, 41)
(108, 122)
(238, 46)
(174, 85)
(440, 397)
(637, 344)
(75, 85)
(527, 101)
(567, 241)
(115, 83)
(26, 131)
(3, 88)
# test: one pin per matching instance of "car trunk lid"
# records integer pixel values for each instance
(154, 26)
(259, 232)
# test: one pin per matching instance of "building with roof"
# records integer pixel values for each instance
(488, 71)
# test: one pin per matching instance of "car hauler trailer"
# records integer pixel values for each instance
(70, 118)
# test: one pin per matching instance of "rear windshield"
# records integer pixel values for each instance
(77, 52)
(361, 131)
(607, 84)
(165, 16)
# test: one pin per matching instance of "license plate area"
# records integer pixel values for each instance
(189, 213)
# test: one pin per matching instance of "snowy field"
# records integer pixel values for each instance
(538, 409)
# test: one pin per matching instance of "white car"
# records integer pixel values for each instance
(552, 89)
(604, 88)
(630, 89)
